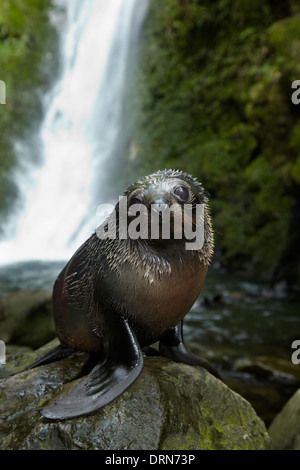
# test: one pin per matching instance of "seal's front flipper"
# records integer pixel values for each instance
(107, 380)
(171, 345)
(105, 383)
(56, 354)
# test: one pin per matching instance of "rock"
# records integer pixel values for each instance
(269, 366)
(267, 382)
(285, 429)
(26, 318)
(170, 407)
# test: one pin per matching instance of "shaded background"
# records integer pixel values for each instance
(208, 91)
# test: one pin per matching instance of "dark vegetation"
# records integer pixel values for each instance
(214, 99)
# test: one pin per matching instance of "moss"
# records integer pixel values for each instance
(214, 99)
(207, 414)
(187, 441)
(283, 37)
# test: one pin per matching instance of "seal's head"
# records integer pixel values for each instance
(168, 200)
(166, 210)
(167, 186)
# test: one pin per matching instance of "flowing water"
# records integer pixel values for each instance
(80, 133)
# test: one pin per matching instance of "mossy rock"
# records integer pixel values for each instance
(285, 429)
(213, 93)
(283, 37)
(170, 407)
(26, 318)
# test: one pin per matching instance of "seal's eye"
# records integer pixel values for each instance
(182, 193)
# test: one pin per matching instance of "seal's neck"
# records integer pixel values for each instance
(160, 257)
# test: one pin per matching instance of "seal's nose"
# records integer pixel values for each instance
(159, 206)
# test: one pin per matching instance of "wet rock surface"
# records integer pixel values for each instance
(285, 429)
(170, 407)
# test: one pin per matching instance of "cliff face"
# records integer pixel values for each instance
(214, 99)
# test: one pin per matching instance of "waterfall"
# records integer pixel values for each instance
(79, 133)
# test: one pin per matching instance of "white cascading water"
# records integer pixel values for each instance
(79, 131)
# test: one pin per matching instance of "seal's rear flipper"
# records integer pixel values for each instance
(171, 345)
(54, 355)
(108, 380)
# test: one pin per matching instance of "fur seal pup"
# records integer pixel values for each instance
(119, 294)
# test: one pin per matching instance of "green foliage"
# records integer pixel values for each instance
(28, 64)
(214, 88)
